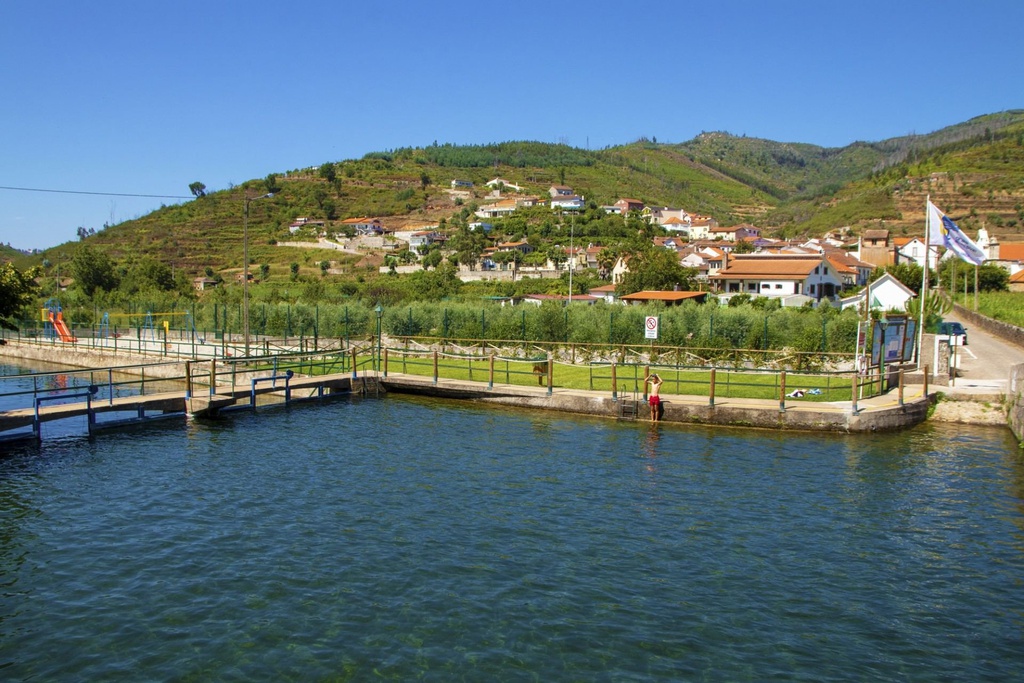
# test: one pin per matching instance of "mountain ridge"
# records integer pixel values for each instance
(976, 168)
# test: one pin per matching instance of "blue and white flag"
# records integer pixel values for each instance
(943, 231)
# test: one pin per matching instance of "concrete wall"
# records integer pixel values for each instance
(79, 357)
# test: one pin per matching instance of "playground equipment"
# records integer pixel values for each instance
(53, 317)
(147, 328)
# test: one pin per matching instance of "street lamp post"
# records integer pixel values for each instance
(572, 254)
(245, 268)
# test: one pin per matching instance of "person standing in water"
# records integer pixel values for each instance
(655, 399)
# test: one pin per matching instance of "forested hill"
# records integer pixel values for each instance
(974, 170)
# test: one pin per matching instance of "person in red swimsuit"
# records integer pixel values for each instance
(655, 399)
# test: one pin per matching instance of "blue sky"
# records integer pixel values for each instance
(130, 97)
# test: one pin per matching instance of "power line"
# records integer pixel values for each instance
(98, 194)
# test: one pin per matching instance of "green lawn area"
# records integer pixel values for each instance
(628, 378)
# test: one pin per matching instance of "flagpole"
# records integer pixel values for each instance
(924, 277)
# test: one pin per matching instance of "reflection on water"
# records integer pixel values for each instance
(408, 538)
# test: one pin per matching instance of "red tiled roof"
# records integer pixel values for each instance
(778, 268)
(656, 295)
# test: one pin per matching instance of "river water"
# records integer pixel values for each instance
(414, 539)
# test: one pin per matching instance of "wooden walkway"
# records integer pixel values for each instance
(149, 406)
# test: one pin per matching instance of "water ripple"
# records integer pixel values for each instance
(411, 539)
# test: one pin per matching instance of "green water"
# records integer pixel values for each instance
(405, 539)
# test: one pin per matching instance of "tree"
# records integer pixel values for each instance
(147, 274)
(329, 172)
(991, 278)
(16, 292)
(197, 189)
(324, 267)
(264, 272)
(270, 182)
(432, 259)
(655, 269)
(93, 271)
(294, 269)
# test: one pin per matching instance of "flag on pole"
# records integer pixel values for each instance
(943, 231)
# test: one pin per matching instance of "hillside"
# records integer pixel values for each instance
(974, 170)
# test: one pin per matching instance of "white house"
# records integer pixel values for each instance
(887, 294)
(911, 250)
(567, 203)
(776, 275)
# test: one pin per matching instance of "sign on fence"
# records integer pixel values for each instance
(651, 327)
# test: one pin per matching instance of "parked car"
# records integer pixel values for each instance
(954, 332)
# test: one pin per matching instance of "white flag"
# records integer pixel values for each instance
(942, 230)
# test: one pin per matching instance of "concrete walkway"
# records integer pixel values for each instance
(877, 413)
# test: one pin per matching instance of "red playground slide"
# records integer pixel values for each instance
(62, 327)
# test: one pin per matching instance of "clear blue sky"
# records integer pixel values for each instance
(146, 97)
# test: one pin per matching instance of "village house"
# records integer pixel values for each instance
(505, 207)
(203, 283)
(423, 238)
(523, 247)
(778, 276)
(567, 203)
(735, 233)
(500, 208)
(700, 227)
(556, 191)
(606, 292)
(499, 183)
(364, 225)
(852, 271)
(874, 247)
(660, 215)
(887, 294)
(674, 224)
(625, 205)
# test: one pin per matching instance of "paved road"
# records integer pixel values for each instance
(986, 360)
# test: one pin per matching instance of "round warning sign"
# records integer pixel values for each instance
(651, 327)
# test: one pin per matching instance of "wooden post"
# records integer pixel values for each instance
(354, 365)
(615, 395)
(647, 374)
(711, 398)
(926, 371)
(385, 362)
(435, 366)
(490, 372)
(551, 371)
(188, 379)
(782, 391)
(213, 376)
(899, 393)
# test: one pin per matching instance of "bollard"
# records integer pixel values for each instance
(615, 396)
(854, 399)
(782, 391)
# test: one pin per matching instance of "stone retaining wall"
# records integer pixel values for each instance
(1011, 333)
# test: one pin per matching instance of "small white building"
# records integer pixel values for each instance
(887, 294)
